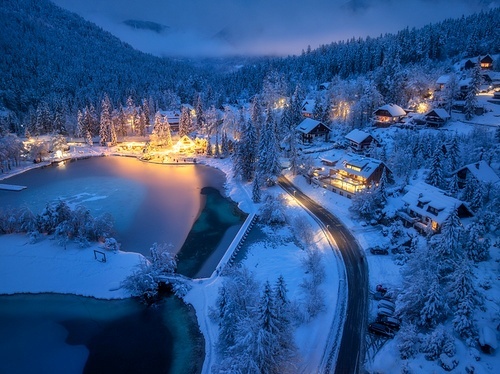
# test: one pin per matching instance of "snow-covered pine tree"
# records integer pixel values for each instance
(434, 309)
(475, 244)
(453, 155)
(448, 246)
(435, 176)
(184, 122)
(469, 187)
(439, 341)
(453, 188)
(132, 115)
(105, 122)
(408, 341)
(224, 145)
(200, 115)
(256, 189)
(209, 151)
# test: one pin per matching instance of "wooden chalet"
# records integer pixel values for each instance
(353, 173)
(310, 129)
(436, 117)
(308, 108)
(360, 141)
(388, 114)
(486, 62)
(173, 117)
(480, 170)
(427, 207)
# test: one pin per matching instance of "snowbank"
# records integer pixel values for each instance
(47, 267)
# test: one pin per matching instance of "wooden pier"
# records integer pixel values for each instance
(11, 187)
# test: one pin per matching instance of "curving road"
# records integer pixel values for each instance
(351, 351)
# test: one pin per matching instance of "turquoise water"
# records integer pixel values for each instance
(52, 333)
(150, 203)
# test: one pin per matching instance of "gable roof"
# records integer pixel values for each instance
(482, 172)
(357, 136)
(438, 112)
(393, 109)
(443, 79)
(308, 105)
(433, 197)
(309, 124)
(363, 166)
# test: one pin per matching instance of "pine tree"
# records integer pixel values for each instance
(105, 123)
(476, 246)
(209, 147)
(256, 189)
(435, 176)
(453, 155)
(434, 308)
(448, 246)
(453, 188)
(224, 145)
(184, 122)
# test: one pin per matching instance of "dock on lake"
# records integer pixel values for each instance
(11, 187)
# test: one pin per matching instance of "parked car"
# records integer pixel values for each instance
(380, 329)
(381, 311)
(378, 251)
(386, 304)
(391, 322)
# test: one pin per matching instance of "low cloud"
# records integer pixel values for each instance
(261, 27)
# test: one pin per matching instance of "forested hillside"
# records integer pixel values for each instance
(49, 54)
(382, 56)
(53, 57)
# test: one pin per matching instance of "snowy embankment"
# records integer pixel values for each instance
(268, 259)
(47, 267)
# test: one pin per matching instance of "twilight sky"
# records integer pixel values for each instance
(258, 27)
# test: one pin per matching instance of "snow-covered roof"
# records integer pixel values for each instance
(307, 125)
(422, 196)
(308, 105)
(393, 109)
(482, 172)
(358, 165)
(487, 336)
(443, 79)
(357, 136)
(438, 112)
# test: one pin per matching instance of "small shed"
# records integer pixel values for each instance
(436, 117)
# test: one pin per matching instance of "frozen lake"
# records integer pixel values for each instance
(149, 202)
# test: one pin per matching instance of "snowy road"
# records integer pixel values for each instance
(351, 352)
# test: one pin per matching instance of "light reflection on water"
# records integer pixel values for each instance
(149, 202)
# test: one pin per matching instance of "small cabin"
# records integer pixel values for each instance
(308, 108)
(486, 62)
(480, 170)
(436, 117)
(310, 129)
(360, 141)
(388, 114)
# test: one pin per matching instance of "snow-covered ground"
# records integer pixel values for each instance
(267, 261)
(45, 266)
